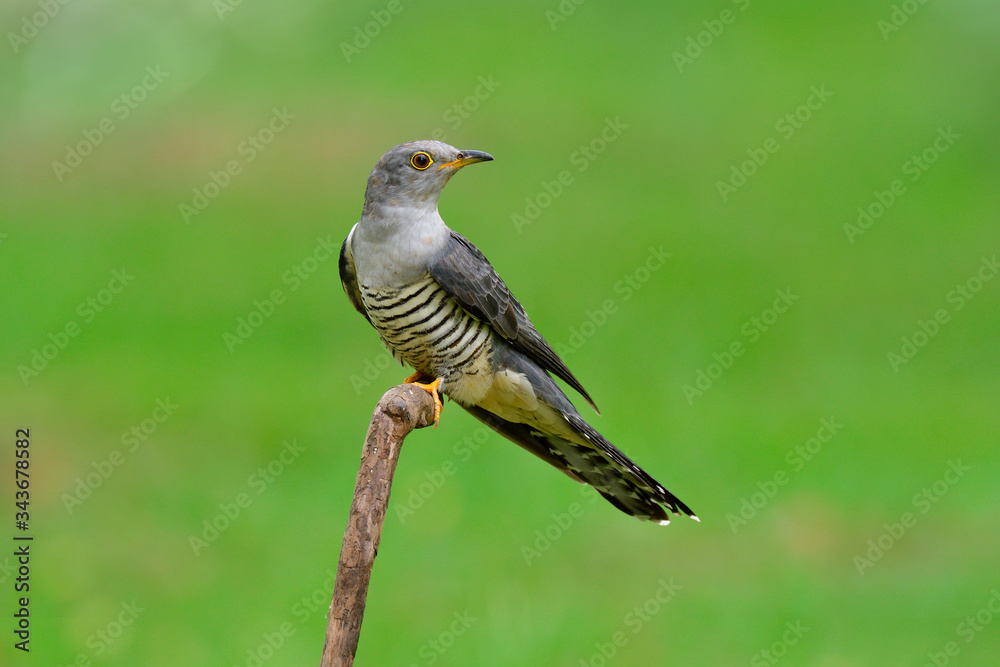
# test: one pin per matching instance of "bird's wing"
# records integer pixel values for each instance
(467, 276)
(349, 276)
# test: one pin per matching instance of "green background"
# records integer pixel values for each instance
(466, 548)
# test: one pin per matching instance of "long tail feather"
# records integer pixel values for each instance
(615, 476)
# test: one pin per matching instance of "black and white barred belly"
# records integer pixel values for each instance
(423, 326)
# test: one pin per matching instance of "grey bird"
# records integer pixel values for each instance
(439, 306)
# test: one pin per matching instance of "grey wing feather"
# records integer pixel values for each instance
(467, 276)
(349, 278)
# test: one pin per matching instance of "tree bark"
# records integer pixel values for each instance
(400, 410)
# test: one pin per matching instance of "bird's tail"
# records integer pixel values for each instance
(598, 463)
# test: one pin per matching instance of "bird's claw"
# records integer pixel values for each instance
(431, 388)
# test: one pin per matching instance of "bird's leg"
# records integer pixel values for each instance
(431, 388)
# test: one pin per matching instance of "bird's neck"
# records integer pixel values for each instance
(398, 240)
(389, 221)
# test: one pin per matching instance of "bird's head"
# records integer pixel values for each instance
(413, 174)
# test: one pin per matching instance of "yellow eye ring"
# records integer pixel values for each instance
(421, 160)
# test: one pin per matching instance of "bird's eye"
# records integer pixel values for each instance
(421, 161)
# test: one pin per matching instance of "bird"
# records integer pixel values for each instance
(439, 305)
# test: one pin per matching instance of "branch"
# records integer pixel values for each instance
(400, 410)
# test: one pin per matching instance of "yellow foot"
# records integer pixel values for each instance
(417, 377)
(432, 389)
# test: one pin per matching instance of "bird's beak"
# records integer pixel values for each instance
(467, 157)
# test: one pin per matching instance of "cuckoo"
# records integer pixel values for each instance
(439, 306)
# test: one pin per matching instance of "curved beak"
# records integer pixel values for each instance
(467, 157)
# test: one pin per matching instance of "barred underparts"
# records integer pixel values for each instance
(423, 326)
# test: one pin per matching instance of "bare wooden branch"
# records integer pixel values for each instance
(400, 410)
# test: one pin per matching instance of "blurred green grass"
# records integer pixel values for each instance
(656, 185)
